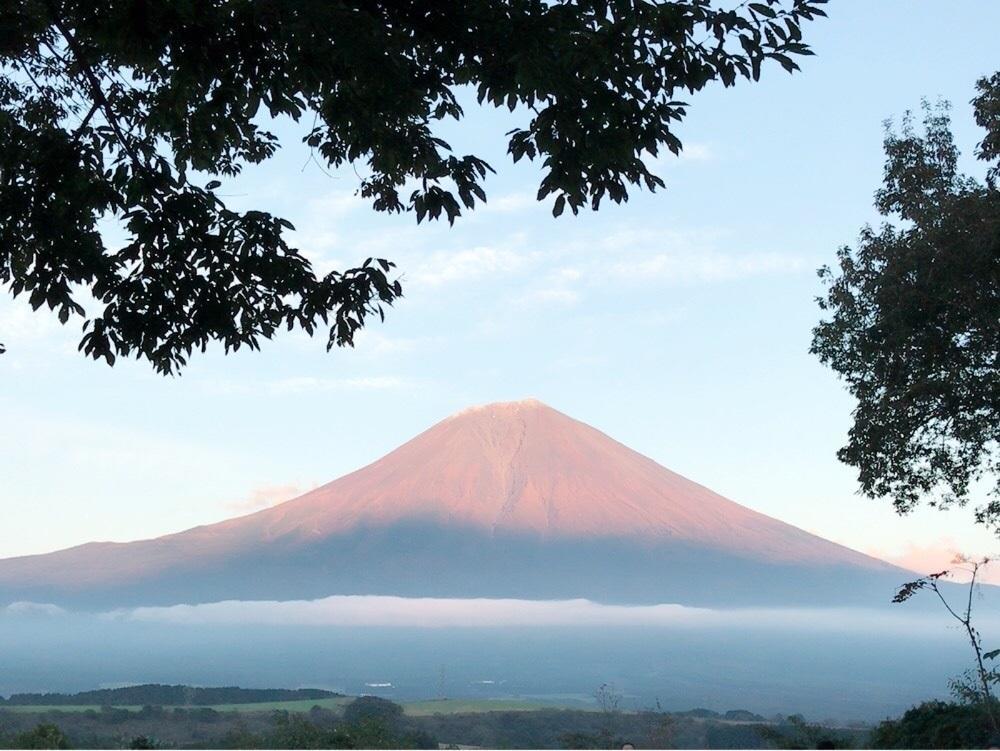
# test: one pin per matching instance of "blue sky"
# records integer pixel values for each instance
(679, 323)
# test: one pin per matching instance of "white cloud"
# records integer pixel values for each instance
(705, 266)
(371, 610)
(301, 385)
(630, 257)
(564, 270)
(18, 322)
(930, 558)
(26, 332)
(696, 152)
(665, 159)
(267, 496)
(558, 295)
(33, 609)
(509, 203)
(322, 228)
(557, 288)
(371, 341)
(336, 203)
(652, 238)
(305, 384)
(445, 267)
(367, 610)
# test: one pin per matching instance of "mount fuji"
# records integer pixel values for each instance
(507, 500)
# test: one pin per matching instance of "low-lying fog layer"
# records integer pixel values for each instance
(429, 612)
(842, 664)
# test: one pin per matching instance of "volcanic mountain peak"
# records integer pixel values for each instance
(508, 499)
(524, 468)
(501, 409)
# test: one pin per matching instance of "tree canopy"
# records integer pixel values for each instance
(914, 325)
(128, 110)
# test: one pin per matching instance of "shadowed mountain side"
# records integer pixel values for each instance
(425, 560)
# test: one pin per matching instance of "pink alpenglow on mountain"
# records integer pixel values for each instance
(512, 499)
(525, 467)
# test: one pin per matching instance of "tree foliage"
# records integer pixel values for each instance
(794, 732)
(128, 110)
(172, 695)
(372, 726)
(935, 724)
(373, 708)
(44, 735)
(914, 325)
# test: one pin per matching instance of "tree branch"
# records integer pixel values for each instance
(955, 615)
(83, 124)
(94, 83)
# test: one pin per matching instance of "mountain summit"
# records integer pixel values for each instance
(511, 499)
(523, 467)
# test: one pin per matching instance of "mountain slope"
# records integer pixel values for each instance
(512, 499)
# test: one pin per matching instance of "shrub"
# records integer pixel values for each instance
(936, 724)
(43, 736)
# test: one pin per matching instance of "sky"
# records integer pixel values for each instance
(678, 323)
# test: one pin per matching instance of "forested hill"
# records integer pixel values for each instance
(156, 694)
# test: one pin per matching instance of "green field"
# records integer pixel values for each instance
(468, 706)
(28, 708)
(414, 709)
(301, 705)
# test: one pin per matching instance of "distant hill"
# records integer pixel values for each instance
(505, 500)
(155, 694)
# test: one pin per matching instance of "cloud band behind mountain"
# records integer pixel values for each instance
(365, 610)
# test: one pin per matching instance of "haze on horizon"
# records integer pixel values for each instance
(844, 664)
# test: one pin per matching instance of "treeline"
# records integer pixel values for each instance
(938, 724)
(733, 715)
(367, 722)
(370, 722)
(155, 694)
(579, 729)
